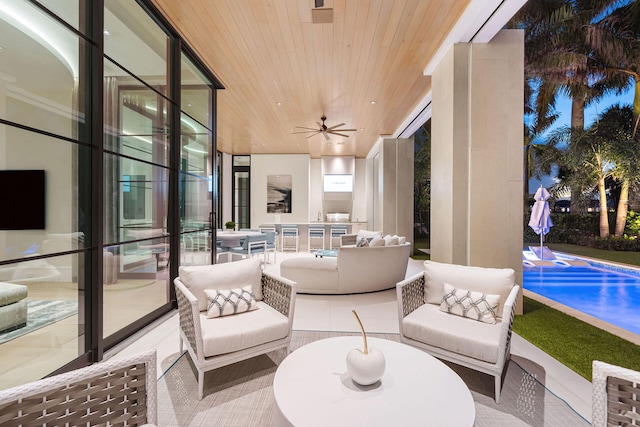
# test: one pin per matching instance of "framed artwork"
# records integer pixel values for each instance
(279, 193)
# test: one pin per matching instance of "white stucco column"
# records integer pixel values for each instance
(477, 154)
(395, 190)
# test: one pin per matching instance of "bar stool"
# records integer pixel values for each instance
(336, 232)
(316, 232)
(289, 233)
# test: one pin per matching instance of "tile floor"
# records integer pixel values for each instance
(378, 312)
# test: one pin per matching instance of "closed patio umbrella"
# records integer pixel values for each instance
(540, 220)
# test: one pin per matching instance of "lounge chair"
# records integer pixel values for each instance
(545, 257)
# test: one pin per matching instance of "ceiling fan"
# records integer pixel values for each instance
(323, 129)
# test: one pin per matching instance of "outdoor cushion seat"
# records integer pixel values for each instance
(453, 333)
(233, 333)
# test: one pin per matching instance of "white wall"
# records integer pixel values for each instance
(296, 165)
(306, 192)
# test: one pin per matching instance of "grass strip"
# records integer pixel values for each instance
(573, 342)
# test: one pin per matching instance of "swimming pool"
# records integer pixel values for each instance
(611, 294)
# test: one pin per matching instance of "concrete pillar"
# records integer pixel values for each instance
(477, 154)
(396, 165)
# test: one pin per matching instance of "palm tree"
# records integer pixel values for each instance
(616, 39)
(535, 163)
(616, 126)
(588, 158)
(558, 54)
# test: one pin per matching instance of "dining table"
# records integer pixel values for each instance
(233, 239)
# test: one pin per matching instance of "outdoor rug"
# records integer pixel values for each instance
(241, 394)
(41, 313)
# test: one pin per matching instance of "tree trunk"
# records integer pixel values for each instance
(623, 206)
(577, 122)
(604, 214)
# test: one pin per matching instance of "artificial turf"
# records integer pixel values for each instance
(574, 343)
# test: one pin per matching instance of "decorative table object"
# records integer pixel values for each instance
(365, 366)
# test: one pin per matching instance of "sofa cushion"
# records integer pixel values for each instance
(401, 239)
(376, 241)
(473, 305)
(497, 281)
(228, 275)
(390, 240)
(457, 334)
(225, 302)
(232, 333)
(368, 234)
(10, 293)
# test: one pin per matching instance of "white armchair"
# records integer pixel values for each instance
(615, 395)
(428, 323)
(220, 341)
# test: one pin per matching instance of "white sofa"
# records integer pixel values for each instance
(425, 321)
(354, 270)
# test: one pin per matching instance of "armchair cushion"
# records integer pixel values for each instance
(233, 333)
(472, 305)
(453, 333)
(219, 276)
(222, 302)
(497, 281)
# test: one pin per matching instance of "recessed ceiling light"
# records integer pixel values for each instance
(189, 105)
(106, 32)
(278, 103)
(373, 102)
(361, 128)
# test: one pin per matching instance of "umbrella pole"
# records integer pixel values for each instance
(541, 251)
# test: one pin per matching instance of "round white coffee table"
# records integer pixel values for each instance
(312, 388)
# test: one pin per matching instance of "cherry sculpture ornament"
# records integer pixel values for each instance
(365, 366)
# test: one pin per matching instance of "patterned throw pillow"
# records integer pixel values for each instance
(222, 302)
(474, 305)
(363, 242)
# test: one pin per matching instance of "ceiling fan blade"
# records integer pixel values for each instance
(335, 126)
(304, 127)
(346, 130)
(313, 135)
(340, 134)
(319, 126)
(305, 131)
(326, 135)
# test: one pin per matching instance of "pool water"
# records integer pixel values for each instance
(609, 295)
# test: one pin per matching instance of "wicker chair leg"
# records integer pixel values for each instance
(200, 385)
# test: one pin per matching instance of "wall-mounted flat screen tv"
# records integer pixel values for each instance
(22, 193)
(338, 183)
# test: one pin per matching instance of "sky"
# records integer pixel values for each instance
(563, 107)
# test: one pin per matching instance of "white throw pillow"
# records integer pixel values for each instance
(227, 275)
(473, 305)
(221, 302)
(376, 241)
(390, 240)
(401, 239)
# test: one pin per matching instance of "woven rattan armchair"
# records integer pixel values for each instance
(615, 396)
(477, 345)
(118, 392)
(216, 342)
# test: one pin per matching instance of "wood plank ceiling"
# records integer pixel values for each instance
(282, 70)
